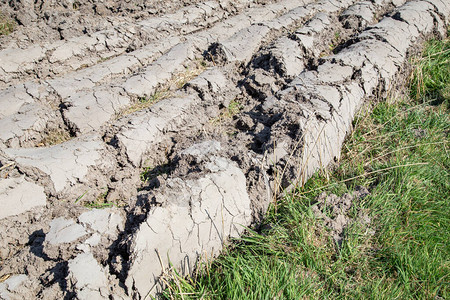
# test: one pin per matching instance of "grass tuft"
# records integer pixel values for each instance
(100, 202)
(431, 78)
(167, 90)
(54, 136)
(6, 25)
(144, 102)
(228, 112)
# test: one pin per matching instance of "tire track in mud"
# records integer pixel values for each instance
(158, 62)
(52, 59)
(298, 72)
(48, 59)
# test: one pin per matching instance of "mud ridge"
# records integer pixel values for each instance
(50, 51)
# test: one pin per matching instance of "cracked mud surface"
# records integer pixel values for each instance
(149, 131)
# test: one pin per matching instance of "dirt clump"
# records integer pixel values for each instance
(336, 212)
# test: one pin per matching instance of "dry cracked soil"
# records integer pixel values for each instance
(134, 133)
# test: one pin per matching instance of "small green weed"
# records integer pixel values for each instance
(6, 25)
(100, 201)
(150, 173)
(227, 113)
(100, 205)
(234, 108)
(336, 41)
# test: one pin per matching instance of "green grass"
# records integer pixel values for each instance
(430, 81)
(399, 152)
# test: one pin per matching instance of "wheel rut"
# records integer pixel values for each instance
(159, 134)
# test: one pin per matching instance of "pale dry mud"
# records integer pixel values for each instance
(272, 88)
(54, 37)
